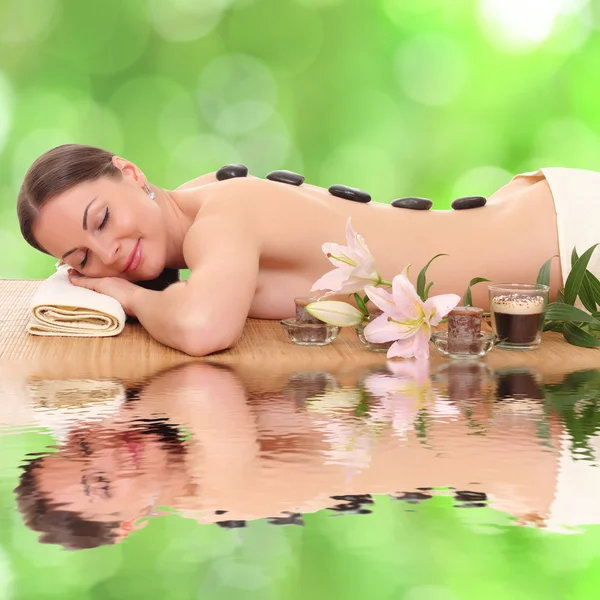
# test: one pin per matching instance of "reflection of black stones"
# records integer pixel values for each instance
(293, 519)
(231, 171)
(220, 512)
(354, 504)
(231, 524)
(468, 202)
(468, 496)
(518, 384)
(413, 497)
(358, 498)
(413, 203)
(343, 191)
(471, 505)
(425, 489)
(286, 177)
(351, 509)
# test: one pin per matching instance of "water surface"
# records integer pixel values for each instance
(394, 481)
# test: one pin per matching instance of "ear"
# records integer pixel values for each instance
(128, 169)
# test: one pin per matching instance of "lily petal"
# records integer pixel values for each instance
(332, 280)
(381, 299)
(416, 346)
(334, 312)
(340, 256)
(437, 307)
(381, 330)
(405, 296)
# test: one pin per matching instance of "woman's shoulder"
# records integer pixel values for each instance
(207, 179)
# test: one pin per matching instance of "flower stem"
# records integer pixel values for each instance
(384, 282)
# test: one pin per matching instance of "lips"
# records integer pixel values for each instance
(133, 257)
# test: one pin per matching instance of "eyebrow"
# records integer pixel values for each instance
(83, 224)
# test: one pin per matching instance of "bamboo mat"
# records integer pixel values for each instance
(134, 353)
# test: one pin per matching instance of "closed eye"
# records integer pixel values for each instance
(104, 222)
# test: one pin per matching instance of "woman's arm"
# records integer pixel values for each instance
(208, 312)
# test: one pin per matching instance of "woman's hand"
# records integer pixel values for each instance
(116, 287)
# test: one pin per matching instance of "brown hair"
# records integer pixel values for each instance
(55, 172)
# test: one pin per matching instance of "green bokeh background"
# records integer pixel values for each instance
(434, 98)
(431, 98)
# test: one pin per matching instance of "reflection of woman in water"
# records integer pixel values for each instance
(268, 454)
(254, 244)
(98, 462)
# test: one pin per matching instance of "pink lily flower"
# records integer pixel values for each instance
(406, 319)
(355, 266)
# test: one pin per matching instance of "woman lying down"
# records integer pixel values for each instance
(255, 244)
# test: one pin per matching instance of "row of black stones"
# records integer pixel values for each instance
(349, 193)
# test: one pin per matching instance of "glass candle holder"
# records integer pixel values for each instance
(473, 347)
(374, 347)
(517, 312)
(310, 334)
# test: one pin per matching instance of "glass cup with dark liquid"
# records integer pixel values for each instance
(517, 311)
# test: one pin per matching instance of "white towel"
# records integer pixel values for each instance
(60, 308)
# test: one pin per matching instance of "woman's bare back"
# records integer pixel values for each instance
(508, 239)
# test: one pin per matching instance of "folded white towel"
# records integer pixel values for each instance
(59, 308)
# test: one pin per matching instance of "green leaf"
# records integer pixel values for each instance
(427, 290)
(560, 295)
(361, 304)
(578, 337)
(467, 299)
(594, 285)
(421, 278)
(553, 326)
(558, 311)
(544, 273)
(577, 274)
(586, 294)
(574, 257)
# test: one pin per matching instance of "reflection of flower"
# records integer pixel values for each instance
(352, 419)
(403, 393)
(407, 320)
(355, 266)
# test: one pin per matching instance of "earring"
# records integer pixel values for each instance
(150, 193)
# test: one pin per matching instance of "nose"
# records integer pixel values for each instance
(108, 251)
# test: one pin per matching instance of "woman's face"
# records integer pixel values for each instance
(95, 226)
(105, 474)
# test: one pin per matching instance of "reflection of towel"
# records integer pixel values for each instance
(60, 308)
(59, 405)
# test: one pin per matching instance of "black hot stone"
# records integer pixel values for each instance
(413, 203)
(231, 171)
(286, 177)
(468, 202)
(343, 191)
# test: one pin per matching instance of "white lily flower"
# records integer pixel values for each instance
(355, 266)
(406, 319)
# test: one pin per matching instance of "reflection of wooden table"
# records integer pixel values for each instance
(263, 342)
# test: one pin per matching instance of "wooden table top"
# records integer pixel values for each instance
(134, 353)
